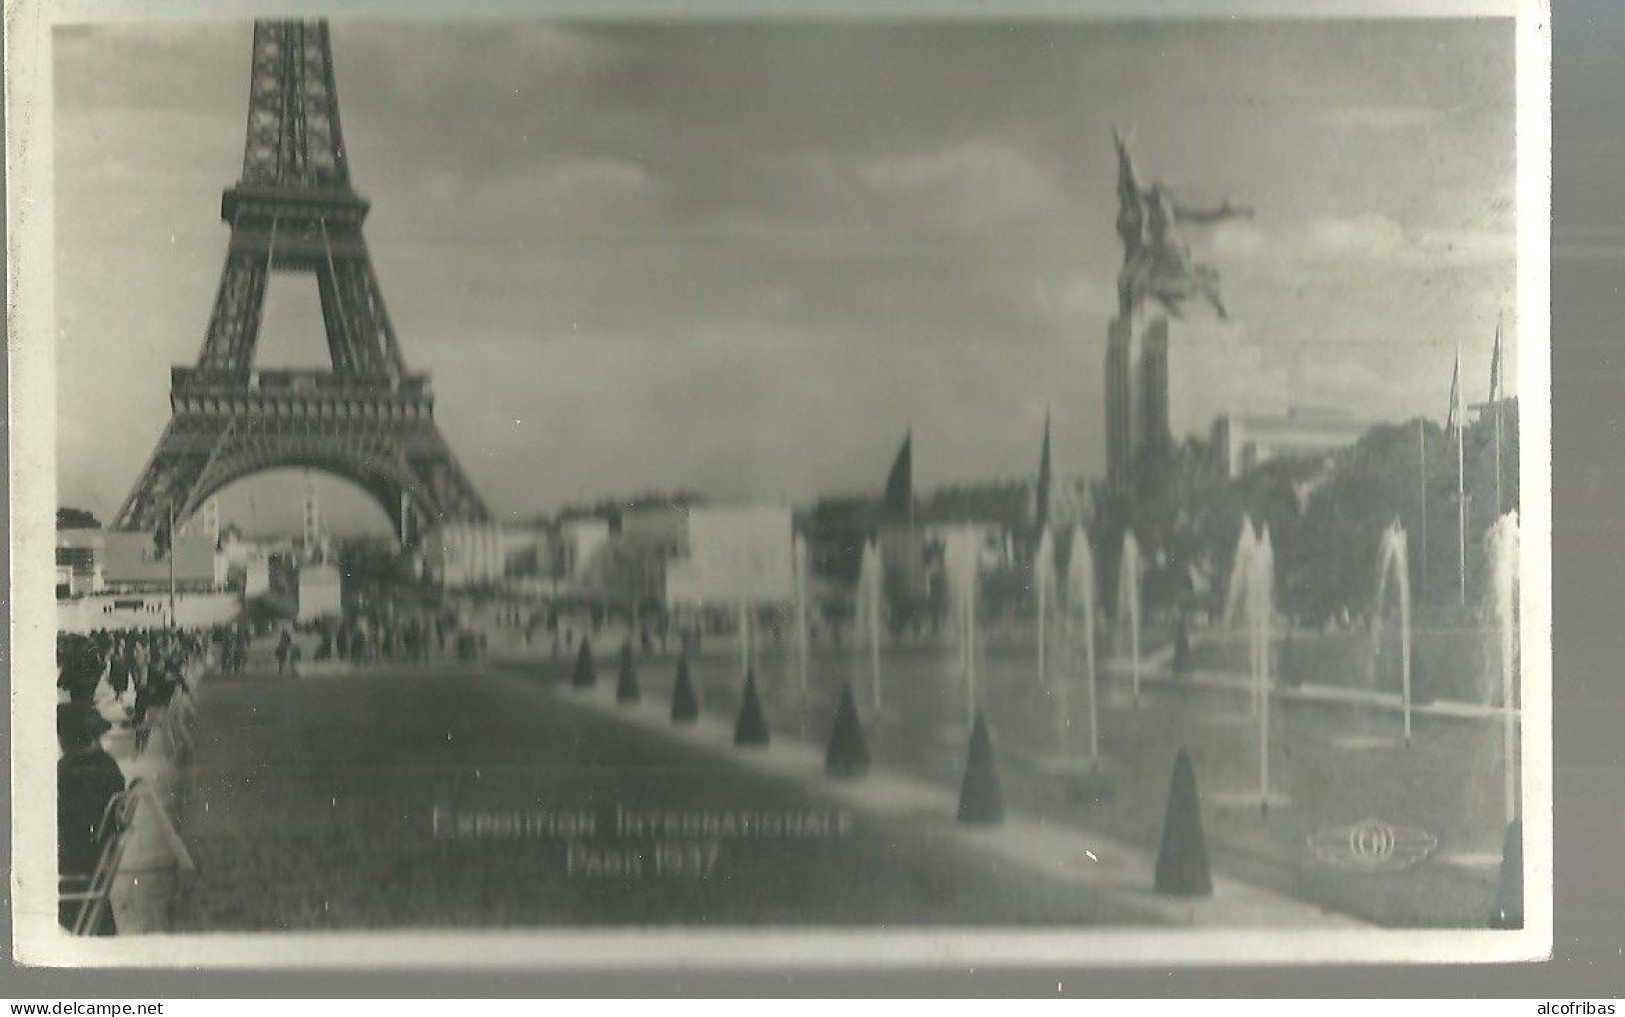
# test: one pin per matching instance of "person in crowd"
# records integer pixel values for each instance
(141, 658)
(79, 668)
(118, 671)
(284, 645)
(87, 778)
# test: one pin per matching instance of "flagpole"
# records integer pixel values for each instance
(1495, 404)
(1422, 461)
(174, 622)
(1461, 490)
(1497, 408)
(910, 439)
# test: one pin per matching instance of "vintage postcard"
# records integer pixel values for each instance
(765, 486)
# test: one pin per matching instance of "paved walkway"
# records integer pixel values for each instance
(340, 803)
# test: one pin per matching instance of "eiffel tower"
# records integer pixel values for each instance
(369, 419)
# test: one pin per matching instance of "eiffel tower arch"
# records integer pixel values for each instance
(368, 419)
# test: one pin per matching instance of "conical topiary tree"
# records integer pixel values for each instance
(685, 705)
(751, 728)
(981, 796)
(585, 674)
(1182, 864)
(626, 685)
(848, 754)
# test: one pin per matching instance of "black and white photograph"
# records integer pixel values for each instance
(783, 487)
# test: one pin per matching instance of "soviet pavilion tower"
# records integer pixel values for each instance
(368, 419)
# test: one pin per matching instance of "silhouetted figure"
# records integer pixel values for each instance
(87, 778)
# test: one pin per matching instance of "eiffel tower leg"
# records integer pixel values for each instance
(234, 326)
(171, 474)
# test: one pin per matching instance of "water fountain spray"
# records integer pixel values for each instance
(1502, 544)
(960, 560)
(871, 587)
(1260, 605)
(1081, 604)
(803, 636)
(1044, 580)
(1392, 561)
(1128, 605)
(1246, 544)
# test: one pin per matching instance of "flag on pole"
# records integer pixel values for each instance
(1041, 504)
(1450, 420)
(1495, 365)
(900, 481)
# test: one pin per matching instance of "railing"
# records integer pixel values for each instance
(165, 735)
(202, 381)
(96, 899)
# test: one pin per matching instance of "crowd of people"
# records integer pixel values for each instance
(370, 638)
(140, 670)
(136, 677)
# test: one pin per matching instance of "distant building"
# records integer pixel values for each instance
(123, 561)
(246, 561)
(1168, 379)
(579, 541)
(464, 555)
(1245, 441)
(114, 579)
(320, 592)
(657, 529)
(734, 554)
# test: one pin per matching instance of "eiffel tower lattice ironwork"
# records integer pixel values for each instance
(368, 419)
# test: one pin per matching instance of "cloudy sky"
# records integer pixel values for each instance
(744, 258)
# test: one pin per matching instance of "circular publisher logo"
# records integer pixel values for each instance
(1372, 845)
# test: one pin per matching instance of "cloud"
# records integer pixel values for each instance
(1361, 238)
(1340, 381)
(1075, 298)
(597, 176)
(1381, 118)
(1369, 234)
(971, 181)
(1236, 238)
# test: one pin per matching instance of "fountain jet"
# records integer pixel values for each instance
(1044, 581)
(1501, 604)
(803, 636)
(960, 561)
(1080, 595)
(1128, 606)
(1392, 561)
(871, 589)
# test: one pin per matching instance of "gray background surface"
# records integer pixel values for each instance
(1588, 340)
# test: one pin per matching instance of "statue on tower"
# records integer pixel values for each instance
(1157, 262)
